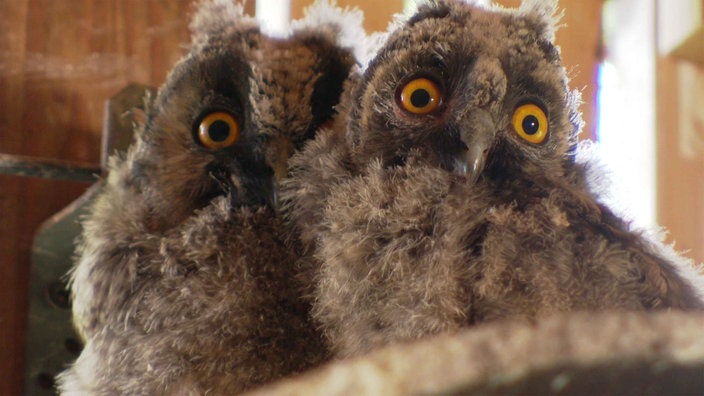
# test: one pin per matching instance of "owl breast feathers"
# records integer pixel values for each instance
(447, 192)
(184, 281)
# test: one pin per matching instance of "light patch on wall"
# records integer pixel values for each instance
(626, 128)
(691, 114)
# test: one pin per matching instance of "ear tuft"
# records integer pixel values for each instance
(545, 13)
(218, 17)
(343, 26)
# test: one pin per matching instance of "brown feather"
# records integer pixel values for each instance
(403, 244)
(184, 281)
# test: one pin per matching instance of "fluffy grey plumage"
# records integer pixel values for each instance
(447, 193)
(184, 283)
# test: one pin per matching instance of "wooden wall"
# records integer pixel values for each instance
(60, 60)
(679, 96)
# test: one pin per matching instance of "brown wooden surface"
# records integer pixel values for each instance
(59, 61)
(680, 178)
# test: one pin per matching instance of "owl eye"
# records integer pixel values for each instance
(530, 123)
(218, 130)
(420, 96)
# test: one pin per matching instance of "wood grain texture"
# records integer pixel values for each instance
(59, 61)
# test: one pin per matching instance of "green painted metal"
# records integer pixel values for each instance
(51, 343)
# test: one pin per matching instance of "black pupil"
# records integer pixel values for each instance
(531, 125)
(219, 131)
(420, 98)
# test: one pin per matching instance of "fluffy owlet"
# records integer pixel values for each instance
(184, 281)
(448, 191)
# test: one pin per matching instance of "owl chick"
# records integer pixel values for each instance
(184, 281)
(448, 192)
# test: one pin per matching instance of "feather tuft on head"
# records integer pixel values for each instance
(342, 25)
(545, 13)
(216, 17)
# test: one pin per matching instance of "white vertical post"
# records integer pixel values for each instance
(274, 16)
(626, 129)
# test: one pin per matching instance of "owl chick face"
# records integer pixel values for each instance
(477, 92)
(230, 115)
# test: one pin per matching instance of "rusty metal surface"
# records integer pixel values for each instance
(121, 113)
(48, 168)
(51, 344)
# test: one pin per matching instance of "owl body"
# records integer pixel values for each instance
(214, 319)
(185, 281)
(451, 194)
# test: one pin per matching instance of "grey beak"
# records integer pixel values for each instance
(268, 193)
(477, 132)
(473, 162)
(258, 188)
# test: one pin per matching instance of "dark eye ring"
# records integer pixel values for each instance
(420, 96)
(218, 129)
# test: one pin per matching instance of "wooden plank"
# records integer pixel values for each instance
(14, 249)
(47, 168)
(59, 61)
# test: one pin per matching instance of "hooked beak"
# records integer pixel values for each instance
(260, 179)
(477, 132)
(256, 187)
(264, 192)
(278, 153)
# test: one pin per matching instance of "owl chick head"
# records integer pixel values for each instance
(476, 90)
(232, 111)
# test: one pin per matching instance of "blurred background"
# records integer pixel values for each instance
(638, 63)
